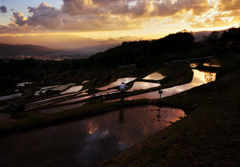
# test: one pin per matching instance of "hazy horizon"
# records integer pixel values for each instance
(101, 20)
(66, 41)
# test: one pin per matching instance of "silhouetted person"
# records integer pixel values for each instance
(122, 90)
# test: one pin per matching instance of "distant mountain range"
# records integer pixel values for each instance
(29, 44)
(63, 41)
(7, 49)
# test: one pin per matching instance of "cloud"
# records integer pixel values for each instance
(79, 7)
(41, 18)
(19, 19)
(44, 15)
(135, 8)
(3, 9)
(110, 15)
(168, 8)
(100, 7)
(228, 5)
(99, 23)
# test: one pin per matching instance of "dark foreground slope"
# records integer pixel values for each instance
(208, 136)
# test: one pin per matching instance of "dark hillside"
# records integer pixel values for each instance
(6, 49)
(143, 53)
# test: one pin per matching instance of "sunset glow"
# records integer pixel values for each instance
(104, 19)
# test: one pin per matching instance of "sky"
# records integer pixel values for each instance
(103, 19)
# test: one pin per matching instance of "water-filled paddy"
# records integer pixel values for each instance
(72, 89)
(8, 97)
(199, 78)
(154, 76)
(85, 142)
(143, 85)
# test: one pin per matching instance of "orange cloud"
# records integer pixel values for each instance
(228, 5)
(109, 15)
(167, 8)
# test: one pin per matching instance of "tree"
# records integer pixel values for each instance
(214, 36)
(142, 62)
(224, 36)
(30, 63)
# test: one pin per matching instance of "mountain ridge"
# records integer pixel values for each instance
(9, 49)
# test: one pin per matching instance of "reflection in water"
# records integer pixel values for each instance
(72, 89)
(154, 76)
(121, 116)
(143, 85)
(85, 142)
(117, 83)
(62, 108)
(199, 78)
(4, 118)
(210, 77)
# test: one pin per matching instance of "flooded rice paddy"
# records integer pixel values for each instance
(72, 89)
(85, 142)
(88, 141)
(199, 78)
(154, 76)
(143, 85)
(8, 97)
